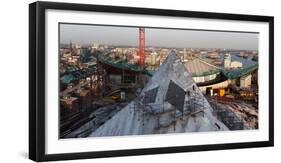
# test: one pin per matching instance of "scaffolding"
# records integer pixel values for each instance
(193, 105)
(98, 81)
(229, 118)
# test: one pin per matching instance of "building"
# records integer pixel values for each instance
(70, 104)
(213, 55)
(84, 98)
(245, 81)
(95, 46)
(227, 61)
(202, 71)
(153, 58)
(236, 64)
(228, 64)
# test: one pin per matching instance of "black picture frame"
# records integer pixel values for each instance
(37, 80)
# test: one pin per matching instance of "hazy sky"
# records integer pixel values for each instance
(111, 35)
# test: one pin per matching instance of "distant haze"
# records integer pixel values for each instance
(114, 35)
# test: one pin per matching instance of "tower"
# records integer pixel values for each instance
(141, 45)
(227, 60)
(70, 46)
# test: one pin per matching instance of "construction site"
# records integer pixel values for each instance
(113, 97)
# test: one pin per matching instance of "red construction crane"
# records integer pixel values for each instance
(141, 45)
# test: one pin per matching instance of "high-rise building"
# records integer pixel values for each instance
(227, 61)
(153, 57)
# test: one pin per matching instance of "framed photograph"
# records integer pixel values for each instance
(111, 81)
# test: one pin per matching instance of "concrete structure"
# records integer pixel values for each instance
(223, 84)
(201, 71)
(228, 64)
(227, 61)
(169, 103)
(84, 98)
(95, 46)
(185, 55)
(236, 64)
(141, 45)
(213, 55)
(153, 58)
(246, 81)
(70, 103)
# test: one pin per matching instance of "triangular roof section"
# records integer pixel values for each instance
(169, 103)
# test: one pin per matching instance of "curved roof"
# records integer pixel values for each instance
(120, 63)
(240, 72)
(197, 67)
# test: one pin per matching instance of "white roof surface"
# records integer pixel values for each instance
(160, 116)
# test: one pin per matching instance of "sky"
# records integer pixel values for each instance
(174, 38)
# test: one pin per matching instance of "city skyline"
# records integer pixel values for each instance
(158, 37)
(118, 90)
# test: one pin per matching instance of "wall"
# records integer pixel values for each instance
(14, 80)
(223, 84)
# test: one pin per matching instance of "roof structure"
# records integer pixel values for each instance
(234, 74)
(169, 103)
(150, 96)
(248, 67)
(69, 77)
(197, 67)
(121, 64)
(175, 96)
